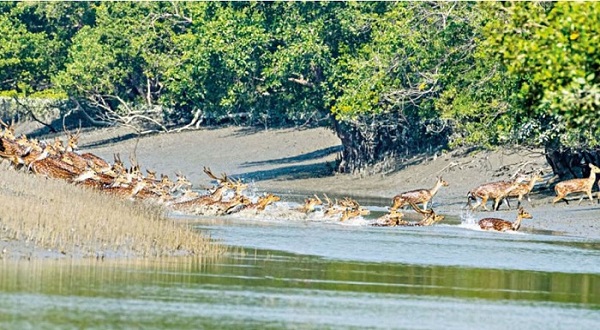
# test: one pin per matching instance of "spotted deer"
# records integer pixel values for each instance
(503, 225)
(418, 196)
(262, 202)
(201, 201)
(125, 191)
(310, 203)
(429, 216)
(391, 219)
(523, 189)
(495, 190)
(564, 188)
(353, 213)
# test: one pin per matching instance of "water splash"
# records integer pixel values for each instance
(468, 220)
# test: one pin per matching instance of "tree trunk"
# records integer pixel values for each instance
(377, 142)
(571, 163)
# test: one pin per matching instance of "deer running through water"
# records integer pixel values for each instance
(503, 225)
(418, 196)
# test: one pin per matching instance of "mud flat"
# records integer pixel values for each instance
(300, 162)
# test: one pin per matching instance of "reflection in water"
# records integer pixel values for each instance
(258, 289)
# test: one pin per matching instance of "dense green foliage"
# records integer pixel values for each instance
(390, 78)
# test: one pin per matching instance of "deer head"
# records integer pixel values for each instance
(72, 139)
(9, 130)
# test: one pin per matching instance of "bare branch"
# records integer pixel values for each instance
(31, 113)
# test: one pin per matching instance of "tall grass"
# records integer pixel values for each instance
(75, 221)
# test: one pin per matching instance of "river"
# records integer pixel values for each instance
(319, 274)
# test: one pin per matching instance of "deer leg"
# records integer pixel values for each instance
(529, 200)
(425, 205)
(558, 198)
(484, 202)
(508, 203)
(580, 199)
(589, 193)
(497, 202)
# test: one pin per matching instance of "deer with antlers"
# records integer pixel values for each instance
(72, 139)
(348, 208)
(353, 213)
(429, 216)
(237, 186)
(9, 130)
(310, 204)
(503, 225)
(418, 196)
(564, 188)
(50, 165)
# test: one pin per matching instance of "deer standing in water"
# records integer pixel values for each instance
(503, 225)
(564, 188)
(524, 189)
(418, 196)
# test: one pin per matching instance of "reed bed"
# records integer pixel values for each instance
(75, 221)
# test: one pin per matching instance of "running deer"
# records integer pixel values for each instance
(349, 209)
(503, 225)
(126, 191)
(429, 216)
(201, 201)
(263, 202)
(353, 213)
(496, 190)
(391, 219)
(237, 186)
(564, 188)
(51, 167)
(310, 204)
(523, 189)
(205, 206)
(418, 196)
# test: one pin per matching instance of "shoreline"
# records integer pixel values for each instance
(300, 163)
